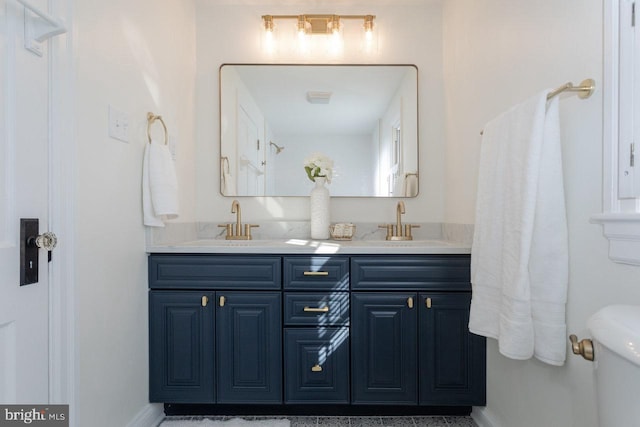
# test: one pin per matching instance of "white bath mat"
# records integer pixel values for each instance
(234, 422)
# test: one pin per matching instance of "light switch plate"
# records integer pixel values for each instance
(118, 124)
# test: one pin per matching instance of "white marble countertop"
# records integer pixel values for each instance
(302, 246)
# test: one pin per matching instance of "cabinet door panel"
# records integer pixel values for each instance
(316, 365)
(181, 347)
(249, 339)
(384, 349)
(452, 360)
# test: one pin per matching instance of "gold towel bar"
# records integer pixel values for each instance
(152, 118)
(585, 89)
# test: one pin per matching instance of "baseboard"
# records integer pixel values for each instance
(483, 417)
(149, 416)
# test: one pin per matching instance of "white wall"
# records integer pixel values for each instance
(352, 172)
(137, 56)
(498, 53)
(409, 33)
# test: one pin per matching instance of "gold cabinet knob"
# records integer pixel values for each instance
(583, 347)
(316, 368)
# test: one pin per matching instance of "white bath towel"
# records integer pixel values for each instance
(159, 185)
(519, 264)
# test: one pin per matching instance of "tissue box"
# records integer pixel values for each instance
(342, 231)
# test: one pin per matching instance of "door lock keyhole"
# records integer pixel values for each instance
(30, 243)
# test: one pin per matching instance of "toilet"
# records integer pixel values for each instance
(616, 339)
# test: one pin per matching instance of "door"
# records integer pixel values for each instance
(249, 343)
(181, 347)
(452, 360)
(24, 193)
(384, 348)
(251, 163)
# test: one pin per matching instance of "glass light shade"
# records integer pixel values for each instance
(269, 41)
(335, 40)
(370, 41)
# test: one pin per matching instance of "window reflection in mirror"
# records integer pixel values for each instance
(364, 117)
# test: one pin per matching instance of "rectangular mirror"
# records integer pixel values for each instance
(363, 117)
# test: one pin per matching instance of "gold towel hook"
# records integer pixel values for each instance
(152, 118)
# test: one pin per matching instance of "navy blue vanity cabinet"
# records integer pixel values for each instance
(181, 346)
(215, 328)
(410, 339)
(452, 360)
(333, 330)
(384, 348)
(249, 342)
(316, 333)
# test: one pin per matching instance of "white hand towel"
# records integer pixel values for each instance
(518, 296)
(410, 185)
(228, 183)
(159, 185)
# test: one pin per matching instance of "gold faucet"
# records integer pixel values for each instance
(399, 212)
(398, 231)
(238, 232)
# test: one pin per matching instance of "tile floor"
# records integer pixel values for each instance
(309, 421)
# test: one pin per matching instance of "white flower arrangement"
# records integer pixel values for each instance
(318, 165)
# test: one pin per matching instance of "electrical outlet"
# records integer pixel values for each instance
(118, 124)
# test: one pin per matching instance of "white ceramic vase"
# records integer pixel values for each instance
(319, 203)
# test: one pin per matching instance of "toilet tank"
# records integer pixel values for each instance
(616, 337)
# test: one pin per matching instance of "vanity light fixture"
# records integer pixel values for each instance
(318, 24)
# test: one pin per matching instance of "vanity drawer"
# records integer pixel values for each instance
(326, 309)
(429, 272)
(316, 368)
(214, 271)
(309, 273)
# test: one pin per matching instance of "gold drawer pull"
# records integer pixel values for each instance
(316, 273)
(316, 310)
(205, 300)
(427, 302)
(222, 301)
(316, 368)
(410, 302)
